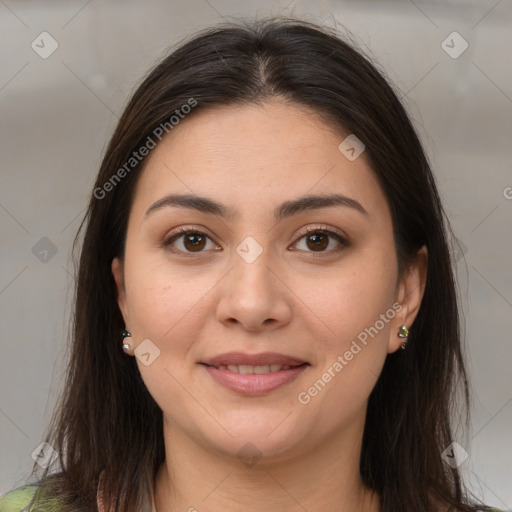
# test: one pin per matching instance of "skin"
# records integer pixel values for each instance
(293, 299)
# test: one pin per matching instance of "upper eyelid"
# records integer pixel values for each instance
(323, 227)
(173, 236)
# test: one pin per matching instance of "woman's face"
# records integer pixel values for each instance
(252, 280)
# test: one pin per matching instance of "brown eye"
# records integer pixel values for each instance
(317, 240)
(194, 242)
(188, 241)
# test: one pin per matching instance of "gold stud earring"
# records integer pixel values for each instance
(403, 332)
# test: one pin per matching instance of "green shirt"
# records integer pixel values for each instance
(18, 500)
(22, 498)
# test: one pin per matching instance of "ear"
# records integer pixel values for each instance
(118, 273)
(410, 292)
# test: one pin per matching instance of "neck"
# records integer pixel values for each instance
(325, 477)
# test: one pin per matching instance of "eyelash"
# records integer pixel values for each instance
(308, 231)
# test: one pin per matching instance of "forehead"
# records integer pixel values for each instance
(255, 155)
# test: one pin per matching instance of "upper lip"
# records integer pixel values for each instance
(263, 359)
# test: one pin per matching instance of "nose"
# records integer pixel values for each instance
(254, 295)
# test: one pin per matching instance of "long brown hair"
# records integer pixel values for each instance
(106, 420)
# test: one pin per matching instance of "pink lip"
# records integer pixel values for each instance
(254, 384)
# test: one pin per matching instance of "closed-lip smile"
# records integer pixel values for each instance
(254, 374)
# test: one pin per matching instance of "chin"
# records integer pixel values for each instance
(251, 442)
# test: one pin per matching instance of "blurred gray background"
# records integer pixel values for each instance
(58, 110)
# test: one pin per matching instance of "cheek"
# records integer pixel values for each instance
(352, 343)
(355, 308)
(162, 297)
(351, 296)
(167, 308)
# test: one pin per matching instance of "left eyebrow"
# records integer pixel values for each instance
(284, 210)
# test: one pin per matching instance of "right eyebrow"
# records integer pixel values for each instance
(284, 210)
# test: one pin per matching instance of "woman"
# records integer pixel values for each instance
(264, 238)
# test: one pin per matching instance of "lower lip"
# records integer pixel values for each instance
(254, 384)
